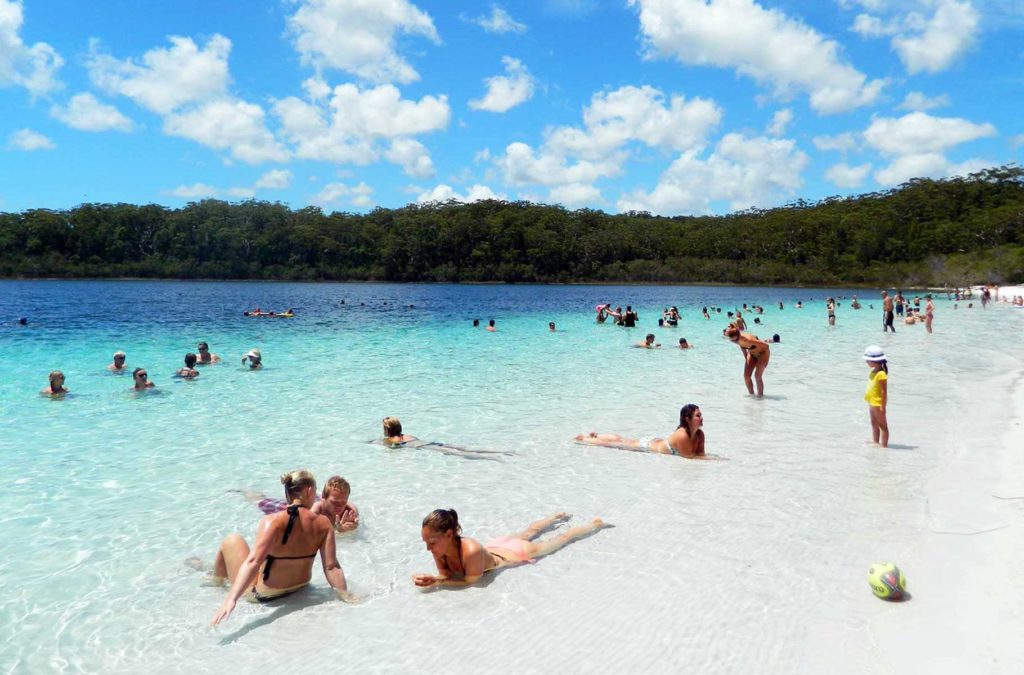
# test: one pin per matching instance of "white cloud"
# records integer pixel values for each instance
(166, 79)
(846, 176)
(505, 92)
(919, 134)
(347, 127)
(1017, 141)
(443, 193)
(780, 121)
(636, 113)
(232, 125)
(194, 191)
(575, 195)
(32, 67)
(359, 195)
(945, 36)
(86, 113)
(499, 22)
(764, 44)
(358, 36)
(522, 166)
(412, 156)
(925, 43)
(915, 100)
(843, 142)
(28, 140)
(915, 165)
(743, 171)
(275, 179)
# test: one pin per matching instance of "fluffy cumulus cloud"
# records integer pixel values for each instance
(780, 122)
(28, 140)
(444, 193)
(505, 92)
(350, 126)
(844, 142)
(358, 36)
(845, 176)
(641, 114)
(360, 195)
(499, 21)
(164, 80)
(86, 113)
(915, 100)
(741, 171)
(194, 191)
(524, 166)
(916, 144)
(764, 44)
(232, 125)
(33, 67)
(925, 42)
(188, 86)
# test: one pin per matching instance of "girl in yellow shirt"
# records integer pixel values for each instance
(877, 394)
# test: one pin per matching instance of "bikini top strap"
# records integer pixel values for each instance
(293, 514)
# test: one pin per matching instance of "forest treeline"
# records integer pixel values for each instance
(925, 232)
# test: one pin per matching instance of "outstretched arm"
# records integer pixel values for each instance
(247, 572)
(332, 569)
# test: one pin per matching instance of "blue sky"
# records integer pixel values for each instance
(667, 106)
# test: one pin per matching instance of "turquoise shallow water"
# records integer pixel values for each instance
(107, 492)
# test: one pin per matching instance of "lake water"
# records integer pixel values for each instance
(735, 566)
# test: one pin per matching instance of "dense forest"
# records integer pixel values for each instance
(925, 232)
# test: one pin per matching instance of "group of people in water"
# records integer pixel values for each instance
(140, 377)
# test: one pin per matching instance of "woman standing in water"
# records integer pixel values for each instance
(756, 354)
(461, 561)
(877, 394)
(929, 313)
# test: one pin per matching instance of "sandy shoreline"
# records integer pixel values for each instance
(966, 576)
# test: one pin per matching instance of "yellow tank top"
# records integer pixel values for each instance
(873, 395)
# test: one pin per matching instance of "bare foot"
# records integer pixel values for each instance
(561, 517)
(600, 524)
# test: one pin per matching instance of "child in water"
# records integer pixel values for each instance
(877, 394)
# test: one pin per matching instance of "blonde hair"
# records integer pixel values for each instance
(392, 427)
(54, 374)
(335, 483)
(295, 482)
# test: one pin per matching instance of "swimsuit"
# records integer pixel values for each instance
(273, 593)
(514, 545)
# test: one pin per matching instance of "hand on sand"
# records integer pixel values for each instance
(424, 580)
(224, 611)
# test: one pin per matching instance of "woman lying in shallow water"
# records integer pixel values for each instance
(686, 441)
(281, 561)
(461, 560)
(394, 438)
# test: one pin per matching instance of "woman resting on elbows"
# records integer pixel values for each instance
(686, 441)
(281, 561)
(461, 561)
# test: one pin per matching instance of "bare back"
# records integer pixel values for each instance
(291, 563)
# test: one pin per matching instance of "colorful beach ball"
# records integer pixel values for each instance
(887, 581)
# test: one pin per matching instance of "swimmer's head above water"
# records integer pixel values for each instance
(392, 427)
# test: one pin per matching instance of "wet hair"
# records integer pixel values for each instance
(491, 322)
(392, 427)
(295, 482)
(136, 372)
(203, 345)
(650, 337)
(335, 483)
(776, 338)
(685, 415)
(683, 341)
(442, 520)
(661, 322)
(54, 374)
(190, 359)
(476, 322)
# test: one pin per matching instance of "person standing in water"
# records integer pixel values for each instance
(756, 354)
(831, 307)
(887, 313)
(929, 312)
(877, 394)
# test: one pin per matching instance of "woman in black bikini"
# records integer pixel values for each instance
(289, 538)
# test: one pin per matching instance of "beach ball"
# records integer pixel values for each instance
(887, 581)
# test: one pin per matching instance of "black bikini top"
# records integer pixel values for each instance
(293, 515)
